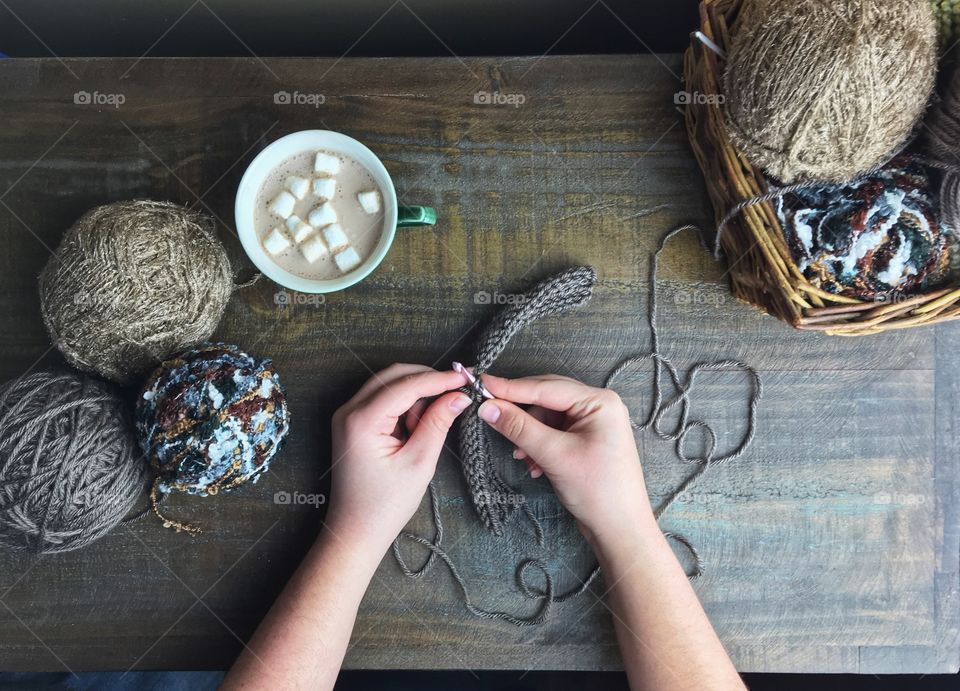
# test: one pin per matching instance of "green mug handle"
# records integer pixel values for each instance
(408, 216)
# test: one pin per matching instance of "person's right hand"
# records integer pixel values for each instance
(582, 439)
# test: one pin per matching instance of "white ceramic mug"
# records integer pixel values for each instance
(310, 140)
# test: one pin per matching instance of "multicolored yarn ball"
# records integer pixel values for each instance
(69, 470)
(826, 89)
(210, 420)
(870, 238)
(131, 284)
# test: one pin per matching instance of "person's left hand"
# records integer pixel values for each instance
(386, 443)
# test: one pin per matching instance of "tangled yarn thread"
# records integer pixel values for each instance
(825, 89)
(68, 468)
(489, 491)
(132, 283)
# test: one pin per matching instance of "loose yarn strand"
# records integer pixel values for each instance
(564, 291)
(776, 192)
(435, 543)
(660, 407)
(437, 551)
(252, 281)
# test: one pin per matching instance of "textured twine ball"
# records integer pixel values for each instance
(69, 471)
(827, 89)
(132, 283)
(210, 420)
(869, 239)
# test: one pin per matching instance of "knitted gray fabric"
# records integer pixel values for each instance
(493, 498)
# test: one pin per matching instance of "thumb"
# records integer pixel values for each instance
(539, 441)
(426, 441)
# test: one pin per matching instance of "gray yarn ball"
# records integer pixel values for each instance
(131, 284)
(69, 469)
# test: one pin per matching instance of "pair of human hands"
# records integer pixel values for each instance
(387, 440)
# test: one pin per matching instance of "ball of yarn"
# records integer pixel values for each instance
(132, 283)
(69, 471)
(941, 144)
(947, 15)
(827, 89)
(869, 238)
(211, 419)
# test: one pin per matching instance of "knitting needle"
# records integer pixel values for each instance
(535, 470)
(472, 380)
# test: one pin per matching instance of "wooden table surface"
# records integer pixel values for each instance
(831, 546)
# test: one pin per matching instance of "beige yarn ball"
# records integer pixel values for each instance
(827, 89)
(131, 284)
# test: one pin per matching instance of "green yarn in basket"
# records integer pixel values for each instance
(947, 13)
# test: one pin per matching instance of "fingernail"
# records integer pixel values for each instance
(460, 403)
(536, 472)
(489, 412)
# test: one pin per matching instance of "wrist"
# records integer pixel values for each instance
(631, 534)
(360, 543)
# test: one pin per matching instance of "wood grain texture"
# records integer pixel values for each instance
(831, 546)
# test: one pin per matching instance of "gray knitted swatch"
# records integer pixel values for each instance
(493, 498)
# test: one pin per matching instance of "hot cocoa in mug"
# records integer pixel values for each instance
(316, 211)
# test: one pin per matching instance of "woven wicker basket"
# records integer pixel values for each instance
(761, 269)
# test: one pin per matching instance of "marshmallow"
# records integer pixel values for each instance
(302, 232)
(327, 164)
(300, 229)
(283, 204)
(276, 242)
(335, 237)
(347, 260)
(298, 186)
(370, 201)
(313, 249)
(293, 221)
(324, 188)
(322, 216)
